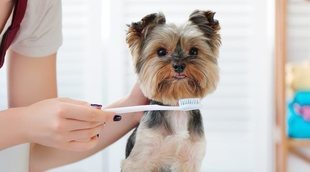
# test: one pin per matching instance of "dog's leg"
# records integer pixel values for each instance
(146, 154)
(189, 157)
(191, 153)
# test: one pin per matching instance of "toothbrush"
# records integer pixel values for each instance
(184, 105)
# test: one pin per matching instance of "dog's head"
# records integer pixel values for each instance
(175, 62)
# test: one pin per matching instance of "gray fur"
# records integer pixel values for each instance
(195, 123)
(154, 119)
(131, 142)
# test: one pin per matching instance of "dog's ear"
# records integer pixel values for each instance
(208, 25)
(138, 31)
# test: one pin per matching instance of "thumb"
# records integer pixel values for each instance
(72, 101)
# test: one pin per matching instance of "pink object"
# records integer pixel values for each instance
(304, 111)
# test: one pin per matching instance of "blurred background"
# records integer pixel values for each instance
(94, 64)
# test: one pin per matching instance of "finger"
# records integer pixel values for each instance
(73, 101)
(83, 139)
(86, 113)
(72, 124)
(82, 146)
(84, 135)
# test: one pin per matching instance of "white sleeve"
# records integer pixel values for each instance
(41, 29)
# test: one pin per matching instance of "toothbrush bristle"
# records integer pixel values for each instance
(190, 103)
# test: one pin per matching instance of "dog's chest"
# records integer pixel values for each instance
(178, 121)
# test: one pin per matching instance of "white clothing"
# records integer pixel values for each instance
(41, 29)
(40, 33)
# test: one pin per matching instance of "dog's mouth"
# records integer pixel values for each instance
(179, 76)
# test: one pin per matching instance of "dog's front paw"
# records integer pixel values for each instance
(142, 166)
(130, 166)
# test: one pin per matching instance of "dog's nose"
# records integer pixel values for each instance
(179, 67)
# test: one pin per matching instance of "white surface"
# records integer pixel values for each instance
(15, 159)
(298, 165)
(298, 36)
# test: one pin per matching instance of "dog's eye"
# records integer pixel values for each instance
(161, 52)
(193, 51)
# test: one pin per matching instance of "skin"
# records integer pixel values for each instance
(62, 129)
(5, 9)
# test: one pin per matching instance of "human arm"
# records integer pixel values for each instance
(111, 132)
(25, 88)
(10, 129)
(32, 80)
(58, 122)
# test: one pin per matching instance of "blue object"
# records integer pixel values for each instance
(302, 98)
(297, 126)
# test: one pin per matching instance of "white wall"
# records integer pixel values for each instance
(297, 165)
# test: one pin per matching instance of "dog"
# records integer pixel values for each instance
(172, 62)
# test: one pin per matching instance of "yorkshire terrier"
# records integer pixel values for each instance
(172, 62)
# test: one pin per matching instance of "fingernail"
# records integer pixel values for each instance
(98, 106)
(117, 118)
(97, 135)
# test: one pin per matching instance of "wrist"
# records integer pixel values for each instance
(18, 119)
(12, 132)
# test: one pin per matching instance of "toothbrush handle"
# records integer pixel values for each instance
(141, 108)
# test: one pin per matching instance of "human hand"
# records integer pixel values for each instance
(63, 123)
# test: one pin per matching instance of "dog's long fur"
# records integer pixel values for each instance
(172, 63)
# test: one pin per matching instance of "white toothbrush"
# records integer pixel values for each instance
(184, 105)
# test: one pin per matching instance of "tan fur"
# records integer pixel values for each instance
(156, 76)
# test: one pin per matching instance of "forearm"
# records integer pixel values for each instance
(111, 132)
(30, 79)
(11, 132)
